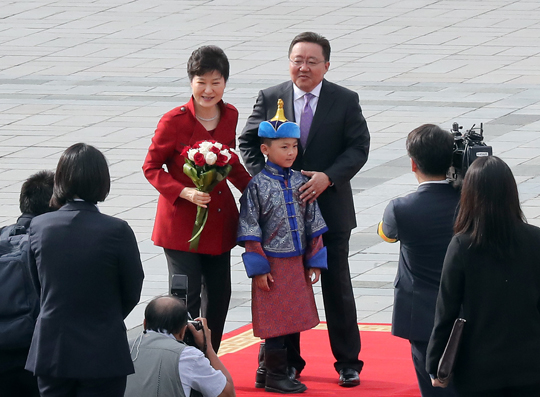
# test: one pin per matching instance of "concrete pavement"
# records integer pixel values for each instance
(103, 72)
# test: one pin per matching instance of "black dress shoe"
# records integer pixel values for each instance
(348, 377)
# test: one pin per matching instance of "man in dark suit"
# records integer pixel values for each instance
(423, 223)
(334, 145)
(17, 294)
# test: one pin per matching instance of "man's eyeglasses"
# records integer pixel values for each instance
(310, 62)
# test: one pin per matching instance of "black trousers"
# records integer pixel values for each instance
(276, 343)
(18, 382)
(61, 387)
(339, 307)
(209, 286)
(516, 391)
(418, 350)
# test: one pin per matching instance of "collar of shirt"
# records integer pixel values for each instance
(162, 333)
(441, 182)
(79, 199)
(277, 171)
(298, 96)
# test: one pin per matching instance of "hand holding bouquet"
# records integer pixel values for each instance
(206, 163)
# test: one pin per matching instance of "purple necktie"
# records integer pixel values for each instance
(305, 119)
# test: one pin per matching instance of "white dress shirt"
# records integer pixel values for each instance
(299, 101)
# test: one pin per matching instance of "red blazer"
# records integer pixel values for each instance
(175, 216)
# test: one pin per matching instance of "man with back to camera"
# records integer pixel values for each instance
(334, 145)
(165, 366)
(423, 224)
(15, 381)
(34, 199)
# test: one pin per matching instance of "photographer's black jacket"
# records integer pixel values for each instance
(422, 222)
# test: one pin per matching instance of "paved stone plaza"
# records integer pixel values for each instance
(104, 71)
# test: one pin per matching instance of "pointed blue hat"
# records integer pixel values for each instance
(279, 126)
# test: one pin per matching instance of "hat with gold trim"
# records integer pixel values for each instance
(279, 126)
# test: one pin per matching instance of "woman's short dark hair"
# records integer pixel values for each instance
(431, 148)
(82, 172)
(166, 314)
(206, 59)
(489, 208)
(312, 37)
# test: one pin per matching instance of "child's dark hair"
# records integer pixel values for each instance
(267, 141)
(431, 148)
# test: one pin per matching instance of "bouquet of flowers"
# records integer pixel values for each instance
(206, 163)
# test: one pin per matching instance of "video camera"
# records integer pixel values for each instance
(467, 148)
(179, 288)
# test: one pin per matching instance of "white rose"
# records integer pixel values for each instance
(191, 154)
(218, 145)
(210, 158)
(206, 146)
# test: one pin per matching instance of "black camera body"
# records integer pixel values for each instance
(179, 288)
(467, 148)
(196, 324)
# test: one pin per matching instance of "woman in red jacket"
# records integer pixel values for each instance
(204, 117)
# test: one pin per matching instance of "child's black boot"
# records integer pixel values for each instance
(277, 378)
(260, 377)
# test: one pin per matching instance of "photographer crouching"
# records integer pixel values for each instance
(165, 365)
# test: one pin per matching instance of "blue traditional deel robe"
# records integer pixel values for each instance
(271, 213)
(282, 236)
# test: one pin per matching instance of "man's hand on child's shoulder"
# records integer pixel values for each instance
(317, 184)
(263, 281)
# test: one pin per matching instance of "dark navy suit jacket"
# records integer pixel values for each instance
(87, 269)
(337, 145)
(423, 223)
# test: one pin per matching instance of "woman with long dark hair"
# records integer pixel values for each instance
(491, 277)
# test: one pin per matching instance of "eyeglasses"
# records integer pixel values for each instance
(310, 62)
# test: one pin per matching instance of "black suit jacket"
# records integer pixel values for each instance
(87, 269)
(337, 145)
(422, 221)
(500, 299)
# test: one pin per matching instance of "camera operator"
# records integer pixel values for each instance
(165, 365)
(423, 224)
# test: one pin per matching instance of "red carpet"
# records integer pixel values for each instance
(388, 368)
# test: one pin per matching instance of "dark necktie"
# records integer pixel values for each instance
(305, 119)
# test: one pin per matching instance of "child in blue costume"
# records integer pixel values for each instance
(284, 251)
